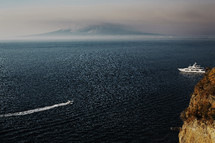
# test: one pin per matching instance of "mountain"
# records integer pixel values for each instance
(199, 117)
(102, 29)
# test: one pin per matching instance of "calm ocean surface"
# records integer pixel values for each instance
(122, 91)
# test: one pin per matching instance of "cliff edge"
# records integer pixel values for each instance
(199, 117)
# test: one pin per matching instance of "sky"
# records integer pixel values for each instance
(170, 17)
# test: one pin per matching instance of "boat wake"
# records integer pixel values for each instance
(36, 110)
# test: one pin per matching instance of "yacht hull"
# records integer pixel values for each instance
(190, 71)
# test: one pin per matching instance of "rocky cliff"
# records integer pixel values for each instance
(199, 117)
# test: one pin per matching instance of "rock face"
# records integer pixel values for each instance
(199, 117)
(197, 132)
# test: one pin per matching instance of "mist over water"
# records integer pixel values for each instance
(122, 91)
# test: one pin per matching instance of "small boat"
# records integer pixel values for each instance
(193, 69)
(69, 102)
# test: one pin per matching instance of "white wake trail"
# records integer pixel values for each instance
(36, 110)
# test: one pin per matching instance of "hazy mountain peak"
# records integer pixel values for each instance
(99, 29)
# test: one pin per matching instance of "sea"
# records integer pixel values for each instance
(106, 91)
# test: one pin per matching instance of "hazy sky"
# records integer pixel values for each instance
(177, 17)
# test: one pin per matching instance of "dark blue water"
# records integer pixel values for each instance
(122, 91)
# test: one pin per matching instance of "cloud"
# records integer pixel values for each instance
(195, 18)
(165, 17)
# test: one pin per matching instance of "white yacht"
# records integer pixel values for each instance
(194, 69)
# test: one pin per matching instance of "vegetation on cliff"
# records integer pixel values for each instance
(202, 103)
